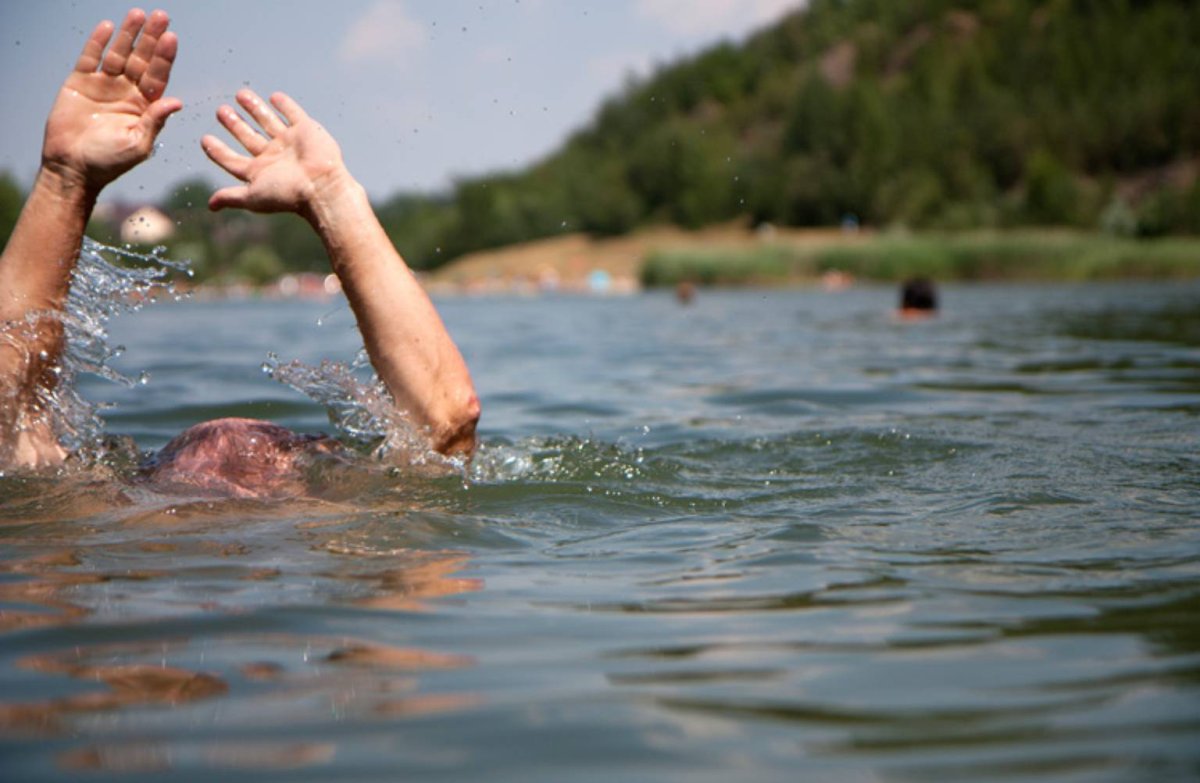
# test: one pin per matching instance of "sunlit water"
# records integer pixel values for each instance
(769, 536)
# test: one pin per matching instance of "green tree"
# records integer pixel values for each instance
(258, 265)
(11, 200)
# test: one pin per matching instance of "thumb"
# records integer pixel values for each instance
(236, 196)
(156, 114)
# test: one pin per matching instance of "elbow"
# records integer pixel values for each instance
(457, 434)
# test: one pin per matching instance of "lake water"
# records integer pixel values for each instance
(769, 536)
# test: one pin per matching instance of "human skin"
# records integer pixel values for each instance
(294, 165)
(105, 121)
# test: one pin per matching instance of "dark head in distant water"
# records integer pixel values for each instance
(918, 297)
(242, 458)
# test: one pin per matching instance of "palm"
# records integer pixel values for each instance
(96, 125)
(280, 176)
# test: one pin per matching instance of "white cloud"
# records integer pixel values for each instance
(384, 33)
(712, 17)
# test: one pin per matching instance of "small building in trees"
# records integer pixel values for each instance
(146, 226)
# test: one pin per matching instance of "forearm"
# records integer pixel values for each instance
(35, 274)
(409, 346)
(36, 266)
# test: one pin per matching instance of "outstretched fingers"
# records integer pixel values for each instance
(153, 81)
(93, 49)
(288, 108)
(122, 46)
(263, 114)
(143, 52)
(220, 153)
(252, 140)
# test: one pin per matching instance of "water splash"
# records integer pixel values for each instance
(106, 281)
(362, 411)
(559, 459)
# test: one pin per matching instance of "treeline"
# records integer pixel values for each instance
(931, 114)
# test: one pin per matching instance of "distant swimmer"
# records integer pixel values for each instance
(685, 292)
(104, 122)
(918, 298)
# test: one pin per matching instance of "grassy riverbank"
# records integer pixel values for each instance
(1013, 255)
(733, 255)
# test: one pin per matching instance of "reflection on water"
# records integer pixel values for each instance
(769, 536)
(276, 673)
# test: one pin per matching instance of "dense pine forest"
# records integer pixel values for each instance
(927, 114)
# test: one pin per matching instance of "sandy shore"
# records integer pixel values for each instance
(577, 262)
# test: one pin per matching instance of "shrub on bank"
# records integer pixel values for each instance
(989, 256)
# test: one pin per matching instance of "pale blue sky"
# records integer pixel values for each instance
(417, 91)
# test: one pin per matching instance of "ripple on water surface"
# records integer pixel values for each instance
(966, 551)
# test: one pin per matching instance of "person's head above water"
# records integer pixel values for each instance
(235, 458)
(104, 122)
(918, 297)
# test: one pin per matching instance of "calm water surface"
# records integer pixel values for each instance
(769, 536)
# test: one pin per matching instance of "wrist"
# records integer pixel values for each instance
(65, 183)
(331, 194)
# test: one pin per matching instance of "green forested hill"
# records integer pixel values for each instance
(927, 113)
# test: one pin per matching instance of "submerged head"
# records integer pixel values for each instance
(244, 458)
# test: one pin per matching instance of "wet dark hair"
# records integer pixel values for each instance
(918, 293)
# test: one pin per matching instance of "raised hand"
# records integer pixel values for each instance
(111, 108)
(292, 160)
(294, 165)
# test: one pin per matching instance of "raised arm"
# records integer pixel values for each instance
(294, 165)
(103, 122)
